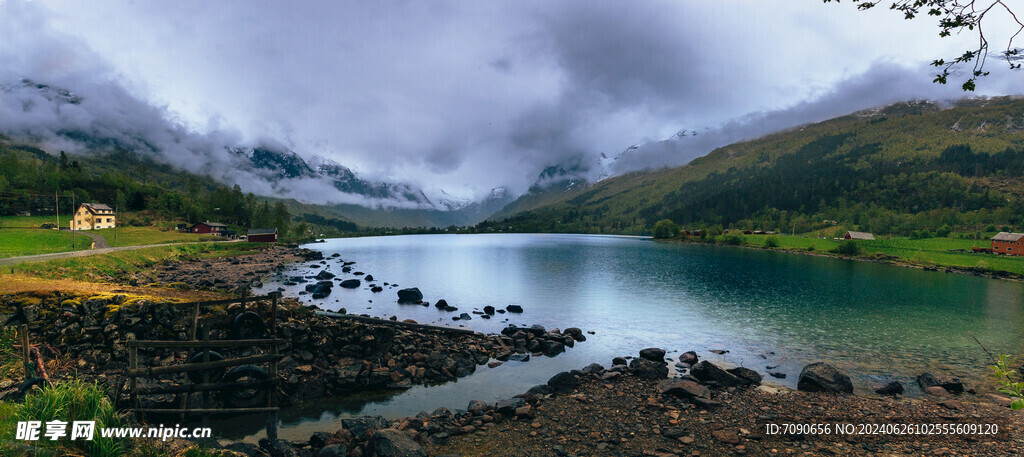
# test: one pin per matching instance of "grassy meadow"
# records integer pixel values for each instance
(135, 236)
(26, 241)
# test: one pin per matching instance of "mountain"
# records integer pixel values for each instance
(894, 169)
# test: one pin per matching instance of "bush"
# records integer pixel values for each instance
(848, 247)
(810, 248)
(943, 231)
(665, 229)
(732, 240)
(990, 228)
(771, 242)
(69, 401)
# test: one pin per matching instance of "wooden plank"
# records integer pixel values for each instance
(183, 368)
(182, 388)
(226, 301)
(203, 344)
(204, 411)
(376, 321)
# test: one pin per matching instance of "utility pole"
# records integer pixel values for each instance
(115, 223)
(73, 222)
(56, 204)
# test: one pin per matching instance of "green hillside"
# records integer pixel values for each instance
(910, 166)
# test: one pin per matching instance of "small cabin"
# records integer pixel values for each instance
(851, 235)
(214, 228)
(93, 216)
(262, 235)
(1007, 243)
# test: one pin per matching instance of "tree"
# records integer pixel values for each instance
(665, 229)
(954, 17)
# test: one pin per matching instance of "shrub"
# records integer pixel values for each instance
(69, 401)
(1006, 384)
(943, 231)
(771, 242)
(665, 229)
(848, 247)
(732, 240)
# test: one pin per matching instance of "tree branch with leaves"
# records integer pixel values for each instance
(956, 16)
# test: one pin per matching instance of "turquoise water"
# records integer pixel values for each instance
(876, 322)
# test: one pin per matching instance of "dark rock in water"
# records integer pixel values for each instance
(369, 277)
(476, 407)
(575, 333)
(410, 295)
(318, 295)
(552, 348)
(537, 330)
(822, 377)
(350, 283)
(688, 357)
(346, 269)
(563, 382)
(488, 309)
(519, 357)
(648, 369)
(719, 351)
(514, 308)
(442, 304)
(951, 384)
(394, 443)
(655, 354)
(707, 372)
(324, 275)
(746, 373)
(619, 361)
(376, 289)
(594, 368)
(450, 309)
(892, 388)
(683, 388)
(321, 288)
(776, 374)
(465, 316)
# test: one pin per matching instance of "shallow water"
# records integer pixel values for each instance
(876, 322)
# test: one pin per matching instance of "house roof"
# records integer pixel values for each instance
(97, 207)
(1007, 236)
(266, 231)
(211, 224)
(861, 235)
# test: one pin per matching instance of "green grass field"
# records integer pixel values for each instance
(25, 241)
(937, 252)
(103, 267)
(134, 236)
(32, 221)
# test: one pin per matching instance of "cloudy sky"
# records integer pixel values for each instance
(466, 96)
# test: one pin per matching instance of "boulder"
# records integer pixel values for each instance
(441, 304)
(683, 388)
(822, 377)
(360, 426)
(489, 309)
(552, 348)
(333, 450)
(324, 275)
(575, 333)
(350, 283)
(476, 407)
(655, 354)
(465, 316)
(508, 406)
(708, 372)
(893, 388)
(688, 357)
(746, 373)
(391, 442)
(619, 361)
(950, 384)
(563, 382)
(412, 294)
(514, 308)
(648, 369)
(277, 448)
(594, 368)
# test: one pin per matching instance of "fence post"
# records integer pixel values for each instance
(206, 374)
(29, 372)
(272, 398)
(273, 314)
(133, 364)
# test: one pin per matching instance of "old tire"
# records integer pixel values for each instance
(246, 397)
(247, 326)
(197, 376)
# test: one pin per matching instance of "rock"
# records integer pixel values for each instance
(619, 361)
(655, 354)
(540, 389)
(376, 289)
(465, 316)
(892, 388)
(441, 411)
(514, 308)
(708, 372)
(476, 407)
(441, 304)
(369, 277)
(489, 310)
(563, 382)
(726, 436)
(552, 348)
(594, 368)
(508, 406)
(277, 448)
(683, 388)
(575, 333)
(688, 357)
(390, 442)
(746, 373)
(333, 450)
(324, 275)
(938, 391)
(410, 295)
(350, 283)
(648, 369)
(776, 374)
(494, 364)
(360, 426)
(822, 377)
(950, 384)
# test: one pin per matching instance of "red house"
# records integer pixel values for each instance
(262, 235)
(215, 228)
(1007, 243)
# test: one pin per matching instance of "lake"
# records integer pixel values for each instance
(767, 309)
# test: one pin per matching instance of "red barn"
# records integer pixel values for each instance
(262, 235)
(1008, 243)
(215, 228)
